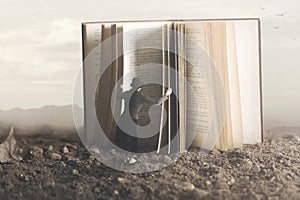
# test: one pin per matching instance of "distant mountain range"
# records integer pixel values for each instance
(278, 132)
(59, 119)
(38, 119)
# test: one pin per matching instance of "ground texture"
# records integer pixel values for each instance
(63, 169)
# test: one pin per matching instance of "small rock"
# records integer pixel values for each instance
(91, 157)
(150, 189)
(247, 164)
(55, 156)
(116, 192)
(231, 181)
(36, 151)
(167, 159)
(223, 186)
(65, 149)
(95, 150)
(199, 194)
(50, 148)
(113, 151)
(215, 152)
(187, 186)
(63, 164)
(71, 158)
(97, 190)
(149, 166)
(136, 190)
(122, 180)
(26, 178)
(74, 172)
(71, 146)
(208, 183)
(132, 160)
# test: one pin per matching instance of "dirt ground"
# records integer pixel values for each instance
(50, 171)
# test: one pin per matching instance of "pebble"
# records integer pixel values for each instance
(95, 150)
(71, 158)
(74, 171)
(50, 148)
(223, 186)
(91, 157)
(116, 192)
(24, 177)
(167, 159)
(36, 151)
(199, 194)
(187, 186)
(55, 156)
(65, 149)
(97, 190)
(113, 151)
(215, 152)
(208, 183)
(122, 180)
(63, 164)
(132, 160)
(71, 146)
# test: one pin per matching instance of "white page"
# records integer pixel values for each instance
(247, 40)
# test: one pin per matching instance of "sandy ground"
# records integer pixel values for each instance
(268, 171)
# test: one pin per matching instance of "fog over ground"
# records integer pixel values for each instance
(40, 45)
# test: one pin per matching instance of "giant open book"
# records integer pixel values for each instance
(212, 66)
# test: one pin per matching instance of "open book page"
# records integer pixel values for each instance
(218, 41)
(181, 84)
(91, 38)
(198, 111)
(215, 44)
(247, 41)
(234, 85)
(143, 58)
(106, 102)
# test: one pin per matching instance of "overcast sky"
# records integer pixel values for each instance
(40, 45)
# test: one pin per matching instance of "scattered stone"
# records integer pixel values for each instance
(95, 150)
(74, 172)
(97, 190)
(208, 183)
(65, 149)
(132, 160)
(91, 157)
(116, 192)
(63, 164)
(136, 190)
(55, 156)
(199, 194)
(122, 180)
(71, 146)
(24, 177)
(223, 186)
(71, 158)
(215, 152)
(187, 186)
(50, 148)
(36, 152)
(247, 164)
(113, 151)
(167, 159)
(231, 181)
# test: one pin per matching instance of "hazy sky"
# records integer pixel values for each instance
(40, 45)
